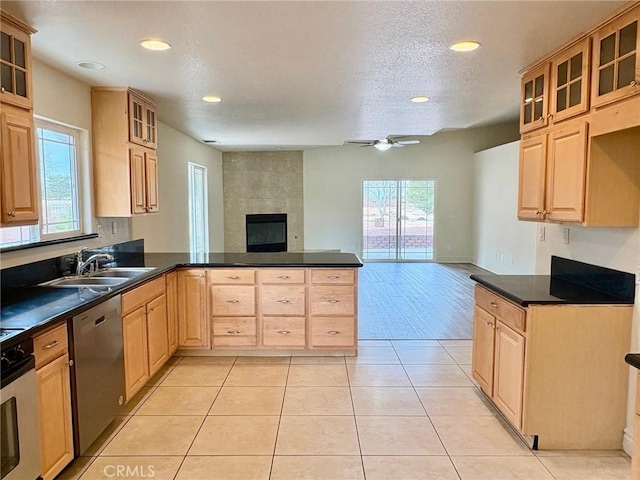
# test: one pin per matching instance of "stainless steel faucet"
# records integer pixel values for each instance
(92, 262)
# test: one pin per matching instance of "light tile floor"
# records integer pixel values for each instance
(401, 410)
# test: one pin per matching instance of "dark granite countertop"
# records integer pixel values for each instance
(545, 290)
(31, 309)
(633, 359)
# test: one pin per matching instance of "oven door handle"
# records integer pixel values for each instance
(18, 370)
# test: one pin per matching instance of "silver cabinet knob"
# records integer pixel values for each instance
(12, 214)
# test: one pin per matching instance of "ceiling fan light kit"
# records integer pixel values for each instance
(384, 144)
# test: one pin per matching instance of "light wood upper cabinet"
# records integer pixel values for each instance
(534, 99)
(15, 62)
(193, 325)
(18, 174)
(124, 132)
(570, 81)
(616, 59)
(532, 179)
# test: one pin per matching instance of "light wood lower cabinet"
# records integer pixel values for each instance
(145, 334)
(193, 324)
(172, 310)
(635, 460)
(54, 401)
(555, 371)
(284, 331)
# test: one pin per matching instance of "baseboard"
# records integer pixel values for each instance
(627, 441)
(441, 259)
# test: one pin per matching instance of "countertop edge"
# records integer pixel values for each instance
(633, 359)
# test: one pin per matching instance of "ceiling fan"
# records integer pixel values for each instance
(384, 144)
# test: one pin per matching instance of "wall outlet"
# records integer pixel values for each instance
(638, 274)
(541, 233)
(565, 236)
(99, 230)
(114, 228)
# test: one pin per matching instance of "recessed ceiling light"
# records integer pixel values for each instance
(212, 99)
(155, 44)
(465, 46)
(89, 65)
(420, 99)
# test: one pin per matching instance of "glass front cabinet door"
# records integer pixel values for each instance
(534, 99)
(616, 66)
(570, 81)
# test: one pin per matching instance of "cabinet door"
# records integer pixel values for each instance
(54, 407)
(151, 128)
(18, 173)
(172, 311)
(138, 181)
(570, 82)
(15, 66)
(157, 334)
(616, 66)
(136, 365)
(193, 328)
(531, 181)
(137, 127)
(566, 172)
(483, 348)
(151, 181)
(534, 99)
(508, 375)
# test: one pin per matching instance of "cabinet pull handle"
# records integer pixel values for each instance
(493, 304)
(284, 332)
(489, 322)
(284, 300)
(333, 332)
(633, 83)
(2, 89)
(538, 212)
(550, 116)
(284, 277)
(234, 277)
(333, 277)
(233, 301)
(151, 309)
(50, 345)
(541, 119)
(333, 301)
(12, 214)
(233, 332)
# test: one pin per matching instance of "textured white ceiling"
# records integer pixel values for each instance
(301, 74)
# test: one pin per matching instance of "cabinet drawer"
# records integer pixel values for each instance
(50, 345)
(235, 276)
(284, 300)
(333, 332)
(142, 294)
(329, 276)
(229, 301)
(284, 331)
(230, 332)
(330, 300)
(280, 275)
(507, 312)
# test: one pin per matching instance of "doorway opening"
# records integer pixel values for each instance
(398, 220)
(198, 211)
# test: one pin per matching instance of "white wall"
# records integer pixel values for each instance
(333, 185)
(501, 243)
(168, 230)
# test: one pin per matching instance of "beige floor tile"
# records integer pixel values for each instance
(478, 435)
(174, 360)
(160, 375)
(398, 436)
(588, 468)
(437, 376)
(285, 360)
(317, 360)
(456, 343)
(461, 355)
(434, 355)
(207, 360)
(374, 343)
(368, 355)
(317, 401)
(405, 468)
(248, 401)
(377, 376)
(415, 343)
(386, 401)
(179, 401)
(257, 376)
(318, 376)
(317, 435)
(158, 468)
(225, 468)
(146, 435)
(456, 401)
(317, 468)
(105, 437)
(76, 468)
(466, 368)
(136, 402)
(501, 468)
(236, 435)
(197, 376)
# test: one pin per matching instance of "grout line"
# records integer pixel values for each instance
(355, 421)
(275, 443)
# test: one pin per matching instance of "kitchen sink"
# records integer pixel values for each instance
(76, 282)
(124, 272)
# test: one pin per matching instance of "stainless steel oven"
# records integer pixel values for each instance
(19, 425)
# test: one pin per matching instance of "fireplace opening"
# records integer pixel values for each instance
(267, 232)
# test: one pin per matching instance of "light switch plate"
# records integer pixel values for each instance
(565, 236)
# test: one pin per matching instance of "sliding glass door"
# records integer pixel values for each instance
(397, 219)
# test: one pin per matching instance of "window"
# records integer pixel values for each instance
(60, 210)
(198, 214)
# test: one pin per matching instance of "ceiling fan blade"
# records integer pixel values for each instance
(407, 142)
(397, 145)
(359, 142)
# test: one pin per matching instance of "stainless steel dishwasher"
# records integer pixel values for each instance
(98, 370)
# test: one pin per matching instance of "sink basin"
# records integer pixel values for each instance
(124, 272)
(76, 282)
